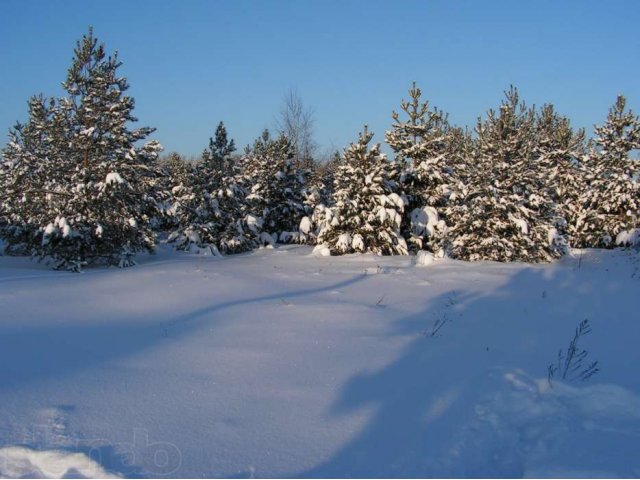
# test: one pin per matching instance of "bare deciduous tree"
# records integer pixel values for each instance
(296, 122)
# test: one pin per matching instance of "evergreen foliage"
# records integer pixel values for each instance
(506, 214)
(609, 205)
(174, 171)
(178, 176)
(422, 144)
(558, 178)
(318, 199)
(209, 204)
(77, 189)
(78, 186)
(367, 211)
(276, 188)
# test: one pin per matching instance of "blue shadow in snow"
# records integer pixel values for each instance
(424, 402)
(30, 354)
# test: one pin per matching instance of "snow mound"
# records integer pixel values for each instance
(267, 240)
(424, 258)
(544, 432)
(21, 462)
(321, 251)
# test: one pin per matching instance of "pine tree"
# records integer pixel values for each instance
(367, 210)
(27, 185)
(558, 152)
(423, 145)
(220, 149)
(92, 198)
(176, 176)
(609, 206)
(318, 200)
(505, 215)
(210, 204)
(276, 188)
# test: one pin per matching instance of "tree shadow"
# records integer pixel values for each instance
(424, 402)
(46, 352)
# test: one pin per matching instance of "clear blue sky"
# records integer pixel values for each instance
(193, 63)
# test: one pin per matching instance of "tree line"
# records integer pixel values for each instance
(78, 187)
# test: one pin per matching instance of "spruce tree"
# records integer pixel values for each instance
(367, 211)
(609, 205)
(82, 190)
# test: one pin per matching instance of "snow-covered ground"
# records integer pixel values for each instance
(281, 363)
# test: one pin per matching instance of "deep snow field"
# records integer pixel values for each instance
(281, 363)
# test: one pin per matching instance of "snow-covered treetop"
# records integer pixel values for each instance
(621, 132)
(422, 135)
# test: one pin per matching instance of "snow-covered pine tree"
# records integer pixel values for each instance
(557, 152)
(276, 188)
(503, 216)
(209, 205)
(25, 179)
(367, 210)
(422, 143)
(328, 173)
(609, 206)
(318, 200)
(177, 175)
(93, 196)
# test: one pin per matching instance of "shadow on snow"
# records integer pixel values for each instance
(425, 401)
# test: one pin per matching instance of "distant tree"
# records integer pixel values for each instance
(78, 188)
(220, 148)
(296, 123)
(367, 210)
(609, 206)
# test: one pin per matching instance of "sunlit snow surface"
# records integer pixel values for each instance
(283, 363)
(19, 462)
